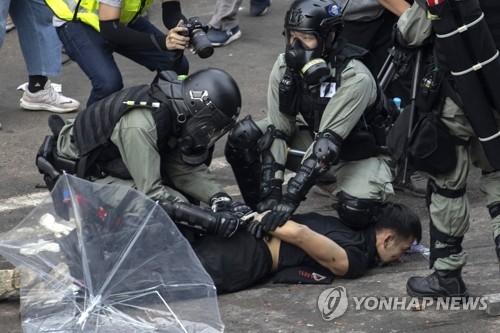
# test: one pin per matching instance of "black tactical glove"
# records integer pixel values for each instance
(288, 204)
(228, 224)
(280, 214)
(255, 228)
(273, 220)
(222, 202)
(269, 202)
(401, 53)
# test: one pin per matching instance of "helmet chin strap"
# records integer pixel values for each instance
(329, 42)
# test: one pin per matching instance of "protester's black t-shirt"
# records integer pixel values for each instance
(359, 245)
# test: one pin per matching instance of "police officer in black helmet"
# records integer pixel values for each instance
(157, 138)
(322, 99)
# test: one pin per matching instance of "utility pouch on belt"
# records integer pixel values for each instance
(431, 147)
(50, 165)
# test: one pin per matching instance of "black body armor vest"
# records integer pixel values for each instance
(94, 126)
(311, 106)
(370, 130)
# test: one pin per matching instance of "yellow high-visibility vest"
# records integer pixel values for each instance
(88, 10)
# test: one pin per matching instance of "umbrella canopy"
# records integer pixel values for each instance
(106, 258)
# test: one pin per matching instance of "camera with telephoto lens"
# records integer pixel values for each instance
(197, 33)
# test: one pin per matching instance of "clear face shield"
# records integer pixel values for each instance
(201, 132)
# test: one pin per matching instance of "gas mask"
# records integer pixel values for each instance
(308, 62)
(201, 132)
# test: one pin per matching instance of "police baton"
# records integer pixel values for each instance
(387, 71)
(295, 152)
(395, 65)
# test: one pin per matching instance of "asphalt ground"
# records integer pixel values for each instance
(267, 307)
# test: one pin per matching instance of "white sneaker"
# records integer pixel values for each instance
(9, 25)
(48, 99)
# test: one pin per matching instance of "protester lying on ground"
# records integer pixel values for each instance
(308, 248)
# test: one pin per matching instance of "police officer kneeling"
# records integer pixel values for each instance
(322, 99)
(158, 139)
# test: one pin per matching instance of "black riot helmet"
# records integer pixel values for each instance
(213, 102)
(317, 17)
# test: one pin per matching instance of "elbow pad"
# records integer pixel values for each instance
(326, 149)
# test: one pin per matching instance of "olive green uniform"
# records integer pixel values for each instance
(451, 215)
(367, 178)
(135, 137)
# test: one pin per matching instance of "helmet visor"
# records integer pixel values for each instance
(207, 126)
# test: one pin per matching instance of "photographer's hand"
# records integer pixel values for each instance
(176, 40)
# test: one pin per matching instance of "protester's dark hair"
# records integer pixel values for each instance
(400, 218)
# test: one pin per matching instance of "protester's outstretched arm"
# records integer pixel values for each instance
(321, 248)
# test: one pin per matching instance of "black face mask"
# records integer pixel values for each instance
(312, 68)
(201, 132)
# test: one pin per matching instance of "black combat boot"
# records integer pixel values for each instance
(443, 283)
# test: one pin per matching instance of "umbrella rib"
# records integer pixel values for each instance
(127, 251)
(121, 268)
(85, 263)
(172, 312)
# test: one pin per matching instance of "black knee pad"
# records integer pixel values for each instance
(354, 212)
(243, 155)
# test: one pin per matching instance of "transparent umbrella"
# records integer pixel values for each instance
(105, 258)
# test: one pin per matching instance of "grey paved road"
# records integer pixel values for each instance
(269, 307)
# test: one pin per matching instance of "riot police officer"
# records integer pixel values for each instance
(322, 99)
(464, 108)
(158, 139)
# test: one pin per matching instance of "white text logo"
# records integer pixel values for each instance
(333, 303)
